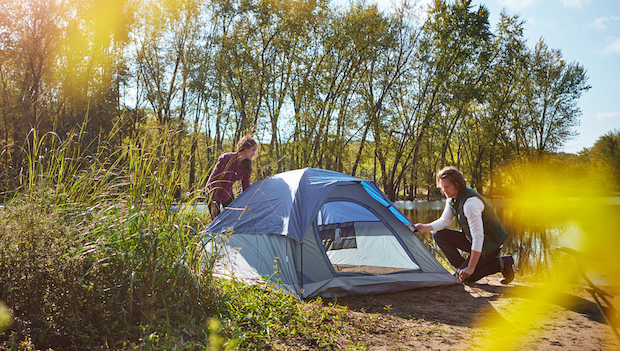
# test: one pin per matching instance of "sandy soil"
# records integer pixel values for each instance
(453, 318)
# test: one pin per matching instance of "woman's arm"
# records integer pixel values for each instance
(219, 168)
(245, 181)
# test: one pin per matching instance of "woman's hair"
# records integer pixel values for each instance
(454, 176)
(246, 142)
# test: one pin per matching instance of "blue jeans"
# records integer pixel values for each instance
(450, 241)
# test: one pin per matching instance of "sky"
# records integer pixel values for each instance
(587, 32)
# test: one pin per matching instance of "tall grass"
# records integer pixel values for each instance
(96, 251)
(99, 254)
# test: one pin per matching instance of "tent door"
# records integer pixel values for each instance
(357, 241)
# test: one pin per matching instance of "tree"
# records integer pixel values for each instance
(550, 99)
(164, 36)
(324, 90)
(90, 66)
(384, 114)
(447, 74)
(605, 154)
(485, 135)
(30, 39)
(61, 70)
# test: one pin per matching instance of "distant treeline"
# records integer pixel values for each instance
(391, 96)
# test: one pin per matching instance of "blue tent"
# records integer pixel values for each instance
(315, 232)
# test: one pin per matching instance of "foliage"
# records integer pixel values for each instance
(604, 159)
(93, 252)
(391, 96)
(66, 294)
(258, 318)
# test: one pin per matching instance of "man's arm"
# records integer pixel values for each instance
(443, 222)
(473, 208)
(474, 257)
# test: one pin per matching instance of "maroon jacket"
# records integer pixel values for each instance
(227, 171)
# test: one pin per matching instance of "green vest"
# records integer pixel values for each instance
(494, 232)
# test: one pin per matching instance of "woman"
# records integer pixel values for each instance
(230, 167)
(482, 234)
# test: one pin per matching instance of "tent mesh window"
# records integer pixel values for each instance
(338, 236)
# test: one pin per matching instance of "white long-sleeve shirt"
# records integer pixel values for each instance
(472, 208)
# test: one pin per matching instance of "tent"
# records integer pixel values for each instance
(322, 233)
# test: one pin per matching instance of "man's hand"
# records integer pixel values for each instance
(474, 257)
(423, 227)
(466, 273)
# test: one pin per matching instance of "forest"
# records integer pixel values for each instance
(388, 96)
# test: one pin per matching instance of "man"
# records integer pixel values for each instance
(482, 234)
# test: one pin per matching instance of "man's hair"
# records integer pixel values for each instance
(453, 175)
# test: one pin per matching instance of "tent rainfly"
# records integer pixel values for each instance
(316, 232)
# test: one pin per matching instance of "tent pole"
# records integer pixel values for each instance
(301, 274)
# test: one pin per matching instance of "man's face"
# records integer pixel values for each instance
(448, 188)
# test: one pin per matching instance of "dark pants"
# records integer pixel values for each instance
(450, 241)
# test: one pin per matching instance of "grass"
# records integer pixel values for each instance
(126, 285)
(95, 256)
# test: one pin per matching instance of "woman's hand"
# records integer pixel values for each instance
(214, 209)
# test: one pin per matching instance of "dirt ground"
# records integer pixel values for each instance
(453, 318)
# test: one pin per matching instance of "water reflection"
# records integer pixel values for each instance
(533, 235)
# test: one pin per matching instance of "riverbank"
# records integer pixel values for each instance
(453, 318)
